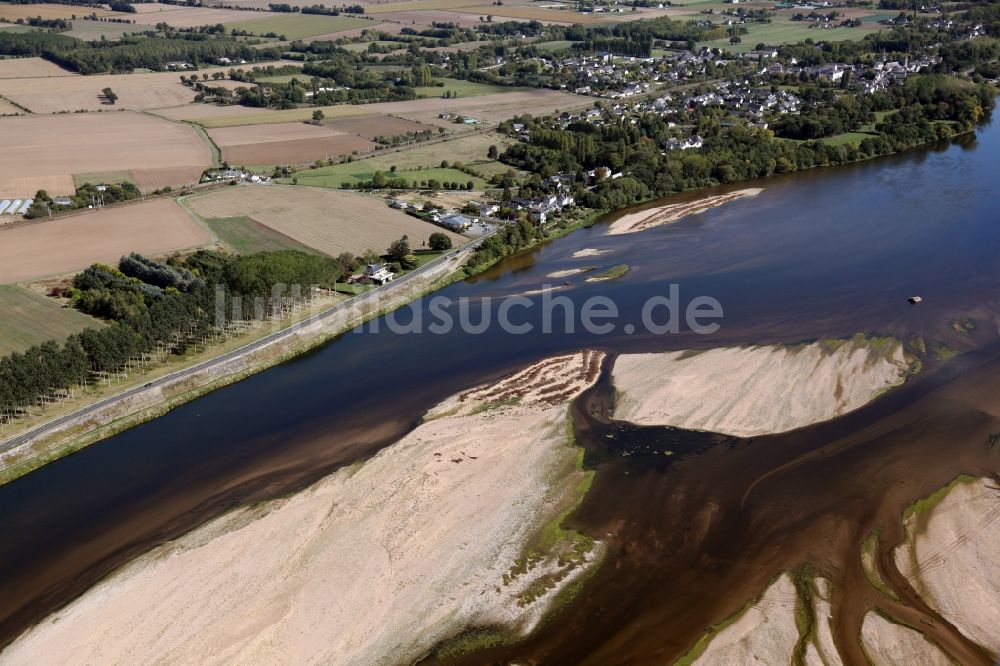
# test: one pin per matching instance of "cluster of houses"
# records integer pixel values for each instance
(234, 174)
(610, 77)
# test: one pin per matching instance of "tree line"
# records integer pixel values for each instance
(154, 309)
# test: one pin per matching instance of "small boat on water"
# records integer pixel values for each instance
(913, 300)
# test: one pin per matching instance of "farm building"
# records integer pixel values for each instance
(4, 205)
(25, 206)
(456, 222)
(12, 210)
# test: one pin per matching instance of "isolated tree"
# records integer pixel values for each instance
(492, 153)
(318, 116)
(398, 249)
(439, 242)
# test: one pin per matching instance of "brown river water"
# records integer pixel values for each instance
(692, 536)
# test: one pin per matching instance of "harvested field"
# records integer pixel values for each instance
(43, 152)
(284, 143)
(184, 17)
(154, 179)
(415, 5)
(489, 109)
(46, 11)
(417, 163)
(326, 220)
(373, 126)
(554, 16)
(95, 30)
(70, 243)
(298, 26)
(29, 68)
(431, 16)
(30, 319)
(211, 116)
(73, 93)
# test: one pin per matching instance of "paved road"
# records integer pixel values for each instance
(372, 294)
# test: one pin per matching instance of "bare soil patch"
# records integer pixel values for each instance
(27, 68)
(327, 220)
(43, 152)
(373, 126)
(74, 242)
(186, 17)
(71, 92)
(284, 143)
(46, 11)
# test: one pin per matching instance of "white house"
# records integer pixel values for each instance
(377, 274)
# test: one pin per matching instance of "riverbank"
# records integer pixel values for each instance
(107, 415)
(363, 566)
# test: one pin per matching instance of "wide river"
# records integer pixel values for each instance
(827, 253)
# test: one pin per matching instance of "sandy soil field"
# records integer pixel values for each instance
(73, 92)
(47, 11)
(76, 241)
(654, 217)
(27, 68)
(373, 126)
(764, 633)
(39, 149)
(284, 143)
(492, 108)
(950, 558)
(6, 108)
(187, 17)
(327, 220)
(748, 391)
(375, 564)
(889, 644)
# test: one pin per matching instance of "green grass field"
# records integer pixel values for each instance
(29, 319)
(459, 88)
(95, 30)
(246, 236)
(787, 32)
(102, 178)
(419, 163)
(355, 173)
(298, 26)
(557, 45)
(284, 78)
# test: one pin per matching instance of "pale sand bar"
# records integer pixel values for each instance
(375, 564)
(654, 217)
(950, 559)
(749, 391)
